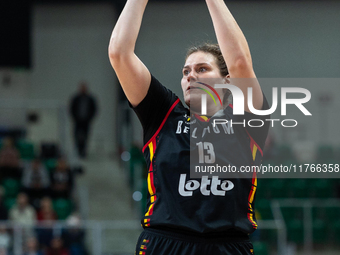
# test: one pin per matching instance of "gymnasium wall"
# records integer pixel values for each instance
(70, 45)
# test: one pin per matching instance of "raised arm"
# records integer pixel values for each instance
(133, 75)
(235, 50)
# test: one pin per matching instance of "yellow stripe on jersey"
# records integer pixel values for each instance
(151, 188)
(254, 191)
(251, 219)
(251, 199)
(204, 117)
(149, 185)
(254, 152)
(148, 212)
(151, 151)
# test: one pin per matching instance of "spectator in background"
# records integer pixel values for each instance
(3, 251)
(74, 236)
(57, 247)
(47, 218)
(61, 180)
(32, 247)
(46, 211)
(9, 160)
(3, 208)
(5, 238)
(35, 181)
(83, 108)
(24, 214)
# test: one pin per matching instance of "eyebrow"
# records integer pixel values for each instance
(199, 64)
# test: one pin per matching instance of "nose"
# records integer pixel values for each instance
(192, 76)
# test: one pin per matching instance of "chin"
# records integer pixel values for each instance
(187, 102)
(193, 101)
(194, 105)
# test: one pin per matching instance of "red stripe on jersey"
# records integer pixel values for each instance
(252, 221)
(253, 180)
(253, 188)
(162, 124)
(200, 118)
(251, 196)
(253, 142)
(152, 182)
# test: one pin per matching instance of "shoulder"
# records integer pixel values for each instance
(158, 97)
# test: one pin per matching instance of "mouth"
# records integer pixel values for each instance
(191, 87)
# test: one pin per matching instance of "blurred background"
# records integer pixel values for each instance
(57, 198)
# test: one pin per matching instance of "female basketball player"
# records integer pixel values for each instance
(207, 215)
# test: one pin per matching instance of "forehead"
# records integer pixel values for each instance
(199, 58)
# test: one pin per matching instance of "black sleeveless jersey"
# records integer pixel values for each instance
(201, 205)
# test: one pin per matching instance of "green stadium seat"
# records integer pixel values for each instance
(50, 164)
(318, 213)
(11, 187)
(9, 202)
(332, 214)
(260, 248)
(264, 208)
(26, 150)
(295, 231)
(335, 228)
(320, 231)
(298, 188)
(269, 235)
(277, 188)
(290, 213)
(321, 188)
(62, 207)
(262, 190)
(327, 214)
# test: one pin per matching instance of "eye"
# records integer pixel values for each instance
(202, 69)
(185, 72)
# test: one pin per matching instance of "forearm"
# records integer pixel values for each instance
(125, 32)
(232, 42)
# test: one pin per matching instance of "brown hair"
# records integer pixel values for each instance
(213, 49)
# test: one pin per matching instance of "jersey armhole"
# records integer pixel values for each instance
(162, 124)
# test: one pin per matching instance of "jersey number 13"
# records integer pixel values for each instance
(206, 152)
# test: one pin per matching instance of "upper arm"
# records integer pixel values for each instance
(133, 76)
(243, 76)
(235, 50)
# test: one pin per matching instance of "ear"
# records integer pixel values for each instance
(226, 79)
